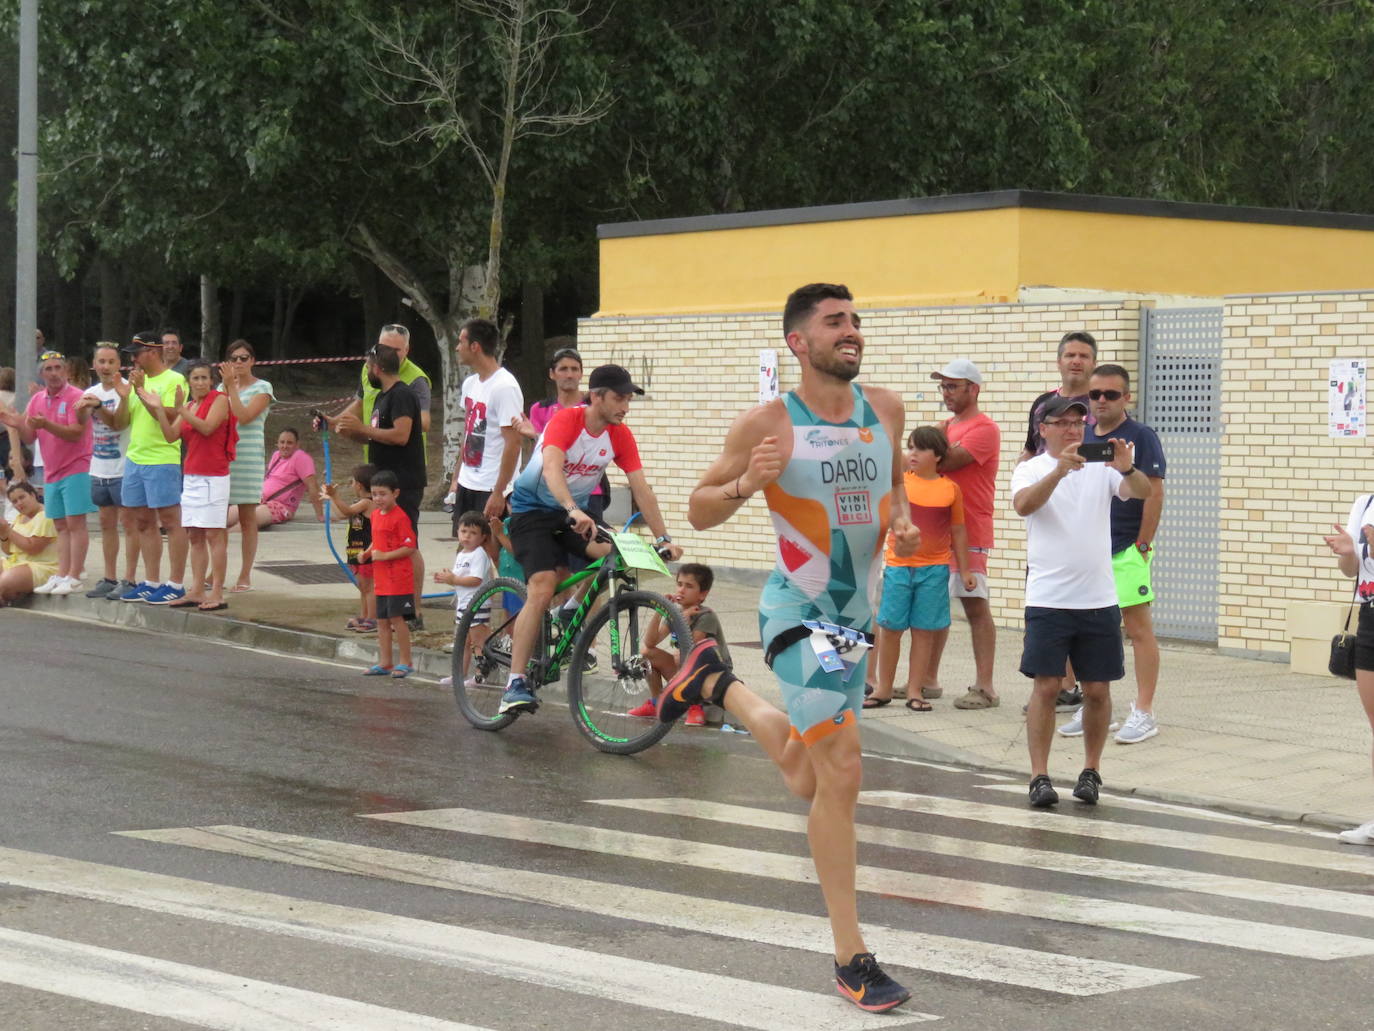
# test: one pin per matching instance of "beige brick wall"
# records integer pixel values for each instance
(701, 371)
(1284, 480)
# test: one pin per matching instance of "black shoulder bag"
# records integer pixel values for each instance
(1342, 661)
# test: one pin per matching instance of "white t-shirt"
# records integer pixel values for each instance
(1362, 514)
(470, 563)
(1069, 538)
(107, 445)
(489, 406)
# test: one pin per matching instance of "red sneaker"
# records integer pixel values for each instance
(696, 717)
(645, 711)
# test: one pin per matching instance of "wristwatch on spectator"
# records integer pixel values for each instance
(1143, 548)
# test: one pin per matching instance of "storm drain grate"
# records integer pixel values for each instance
(306, 572)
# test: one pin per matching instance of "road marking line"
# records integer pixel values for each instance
(985, 961)
(1300, 896)
(193, 995)
(1086, 825)
(653, 985)
(1044, 905)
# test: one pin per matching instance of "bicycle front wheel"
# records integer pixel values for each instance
(601, 697)
(481, 653)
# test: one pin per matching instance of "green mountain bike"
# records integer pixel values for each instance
(597, 649)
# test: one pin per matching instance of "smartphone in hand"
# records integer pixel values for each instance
(1103, 452)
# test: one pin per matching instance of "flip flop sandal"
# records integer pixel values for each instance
(918, 705)
(183, 603)
(876, 703)
(218, 606)
(377, 671)
(402, 671)
(932, 693)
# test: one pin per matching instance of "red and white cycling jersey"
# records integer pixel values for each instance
(586, 459)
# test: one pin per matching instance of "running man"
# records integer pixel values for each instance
(828, 459)
(548, 520)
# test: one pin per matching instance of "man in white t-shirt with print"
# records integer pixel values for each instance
(493, 406)
(1071, 604)
(107, 474)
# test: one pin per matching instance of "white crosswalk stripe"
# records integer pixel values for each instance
(193, 995)
(1105, 913)
(1026, 968)
(1111, 830)
(711, 996)
(1300, 896)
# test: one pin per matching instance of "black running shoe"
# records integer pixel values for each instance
(1089, 783)
(684, 690)
(1042, 793)
(1068, 701)
(864, 983)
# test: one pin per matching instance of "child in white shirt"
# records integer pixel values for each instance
(471, 568)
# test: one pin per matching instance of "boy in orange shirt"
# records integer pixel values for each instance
(916, 587)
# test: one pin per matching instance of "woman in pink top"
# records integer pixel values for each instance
(290, 477)
(210, 431)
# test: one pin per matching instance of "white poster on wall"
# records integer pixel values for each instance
(1345, 398)
(768, 376)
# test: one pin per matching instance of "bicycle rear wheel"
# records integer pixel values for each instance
(484, 636)
(601, 699)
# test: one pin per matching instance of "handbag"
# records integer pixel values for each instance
(1342, 660)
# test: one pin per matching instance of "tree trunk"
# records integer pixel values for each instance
(112, 316)
(532, 370)
(278, 316)
(210, 341)
(236, 314)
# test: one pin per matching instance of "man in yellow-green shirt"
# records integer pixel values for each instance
(152, 470)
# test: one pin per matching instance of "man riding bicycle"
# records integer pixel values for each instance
(547, 521)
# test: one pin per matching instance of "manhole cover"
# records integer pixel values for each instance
(306, 572)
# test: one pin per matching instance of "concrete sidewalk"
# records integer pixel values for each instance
(1234, 733)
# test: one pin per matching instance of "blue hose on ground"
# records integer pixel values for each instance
(329, 535)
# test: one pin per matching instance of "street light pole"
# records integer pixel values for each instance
(26, 244)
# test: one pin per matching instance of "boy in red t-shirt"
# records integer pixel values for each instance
(393, 543)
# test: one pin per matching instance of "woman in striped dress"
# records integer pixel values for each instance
(250, 399)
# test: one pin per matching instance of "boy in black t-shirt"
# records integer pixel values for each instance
(359, 540)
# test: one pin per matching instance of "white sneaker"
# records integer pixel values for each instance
(1361, 835)
(445, 681)
(67, 586)
(1140, 726)
(1074, 728)
(52, 584)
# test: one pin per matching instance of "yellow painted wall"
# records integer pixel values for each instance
(966, 257)
(974, 257)
(1189, 256)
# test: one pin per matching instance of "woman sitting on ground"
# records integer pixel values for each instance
(290, 477)
(29, 545)
(208, 427)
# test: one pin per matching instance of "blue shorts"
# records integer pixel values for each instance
(1091, 638)
(105, 491)
(151, 486)
(69, 496)
(915, 598)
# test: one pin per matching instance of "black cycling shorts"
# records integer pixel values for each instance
(543, 540)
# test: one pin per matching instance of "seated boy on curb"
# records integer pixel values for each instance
(471, 568)
(358, 513)
(694, 582)
(393, 544)
(916, 587)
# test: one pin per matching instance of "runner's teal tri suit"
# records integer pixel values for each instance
(830, 511)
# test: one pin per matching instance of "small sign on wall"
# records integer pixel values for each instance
(768, 376)
(1345, 398)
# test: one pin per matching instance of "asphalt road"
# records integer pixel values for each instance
(196, 835)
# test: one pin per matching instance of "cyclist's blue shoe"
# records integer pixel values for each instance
(687, 687)
(519, 697)
(863, 983)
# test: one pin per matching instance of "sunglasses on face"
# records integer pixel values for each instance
(236, 358)
(1110, 395)
(1066, 423)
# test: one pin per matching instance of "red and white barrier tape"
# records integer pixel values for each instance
(310, 361)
